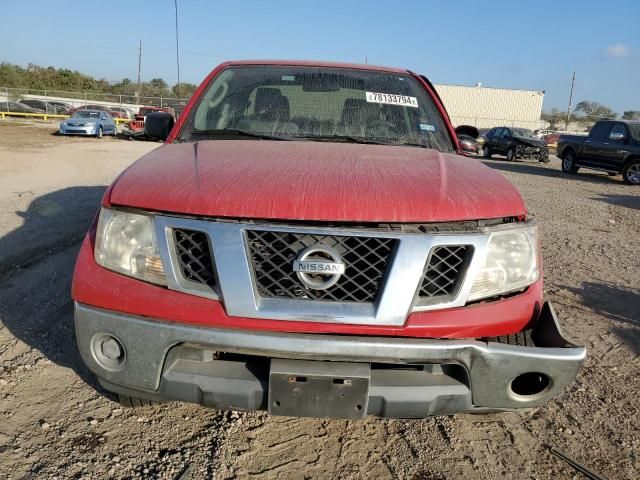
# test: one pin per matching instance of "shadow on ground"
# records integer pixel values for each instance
(627, 201)
(36, 268)
(51, 223)
(612, 301)
(546, 171)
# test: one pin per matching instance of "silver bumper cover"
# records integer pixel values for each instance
(490, 367)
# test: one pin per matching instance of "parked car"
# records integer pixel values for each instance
(341, 262)
(144, 111)
(89, 122)
(467, 135)
(469, 145)
(551, 139)
(612, 146)
(102, 108)
(124, 113)
(16, 107)
(543, 132)
(65, 108)
(43, 105)
(515, 143)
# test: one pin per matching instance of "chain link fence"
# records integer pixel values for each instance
(131, 103)
(486, 123)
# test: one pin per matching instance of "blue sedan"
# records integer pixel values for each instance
(89, 122)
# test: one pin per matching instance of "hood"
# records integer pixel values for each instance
(534, 142)
(319, 181)
(85, 121)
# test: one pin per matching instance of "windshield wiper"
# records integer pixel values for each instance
(235, 132)
(349, 138)
(343, 138)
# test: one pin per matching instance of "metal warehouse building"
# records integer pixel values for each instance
(486, 107)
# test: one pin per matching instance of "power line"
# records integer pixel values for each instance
(139, 65)
(175, 3)
(573, 81)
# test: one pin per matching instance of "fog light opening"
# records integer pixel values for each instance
(530, 384)
(108, 351)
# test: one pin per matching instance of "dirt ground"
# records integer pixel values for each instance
(56, 422)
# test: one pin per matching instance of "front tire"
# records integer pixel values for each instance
(544, 156)
(569, 162)
(631, 172)
(99, 132)
(486, 152)
(511, 154)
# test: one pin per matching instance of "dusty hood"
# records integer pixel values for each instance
(315, 181)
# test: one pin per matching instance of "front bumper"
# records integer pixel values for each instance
(67, 130)
(407, 377)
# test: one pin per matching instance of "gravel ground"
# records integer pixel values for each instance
(56, 422)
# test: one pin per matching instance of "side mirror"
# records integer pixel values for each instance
(158, 125)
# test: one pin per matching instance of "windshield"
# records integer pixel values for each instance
(322, 104)
(522, 132)
(85, 114)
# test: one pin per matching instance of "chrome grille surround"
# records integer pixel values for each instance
(398, 294)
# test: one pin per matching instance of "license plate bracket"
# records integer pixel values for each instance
(303, 388)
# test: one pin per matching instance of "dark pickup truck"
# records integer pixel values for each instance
(612, 146)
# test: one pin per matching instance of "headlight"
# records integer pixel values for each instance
(511, 262)
(126, 243)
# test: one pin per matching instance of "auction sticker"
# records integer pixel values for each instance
(391, 99)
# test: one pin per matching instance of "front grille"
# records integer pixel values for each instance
(273, 253)
(194, 256)
(444, 271)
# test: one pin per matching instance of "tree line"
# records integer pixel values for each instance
(62, 79)
(586, 113)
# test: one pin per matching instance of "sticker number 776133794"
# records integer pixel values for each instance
(392, 99)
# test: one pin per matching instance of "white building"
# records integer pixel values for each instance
(486, 107)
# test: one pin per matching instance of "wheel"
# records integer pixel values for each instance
(520, 149)
(631, 172)
(511, 154)
(486, 152)
(543, 156)
(569, 162)
(134, 402)
(99, 133)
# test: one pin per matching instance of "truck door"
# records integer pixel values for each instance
(613, 151)
(594, 143)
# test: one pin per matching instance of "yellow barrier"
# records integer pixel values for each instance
(46, 116)
(25, 114)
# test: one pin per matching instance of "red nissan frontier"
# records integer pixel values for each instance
(308, 241)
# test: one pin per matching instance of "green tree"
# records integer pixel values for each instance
(183, 90)
(158, 83)
(631, 115)
(595, 110)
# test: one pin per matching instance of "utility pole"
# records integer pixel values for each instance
(139, 67)
(573, 81)
(175, 2)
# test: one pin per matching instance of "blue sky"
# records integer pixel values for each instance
(513, 44)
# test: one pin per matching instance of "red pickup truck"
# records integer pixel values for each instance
(308, 241)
